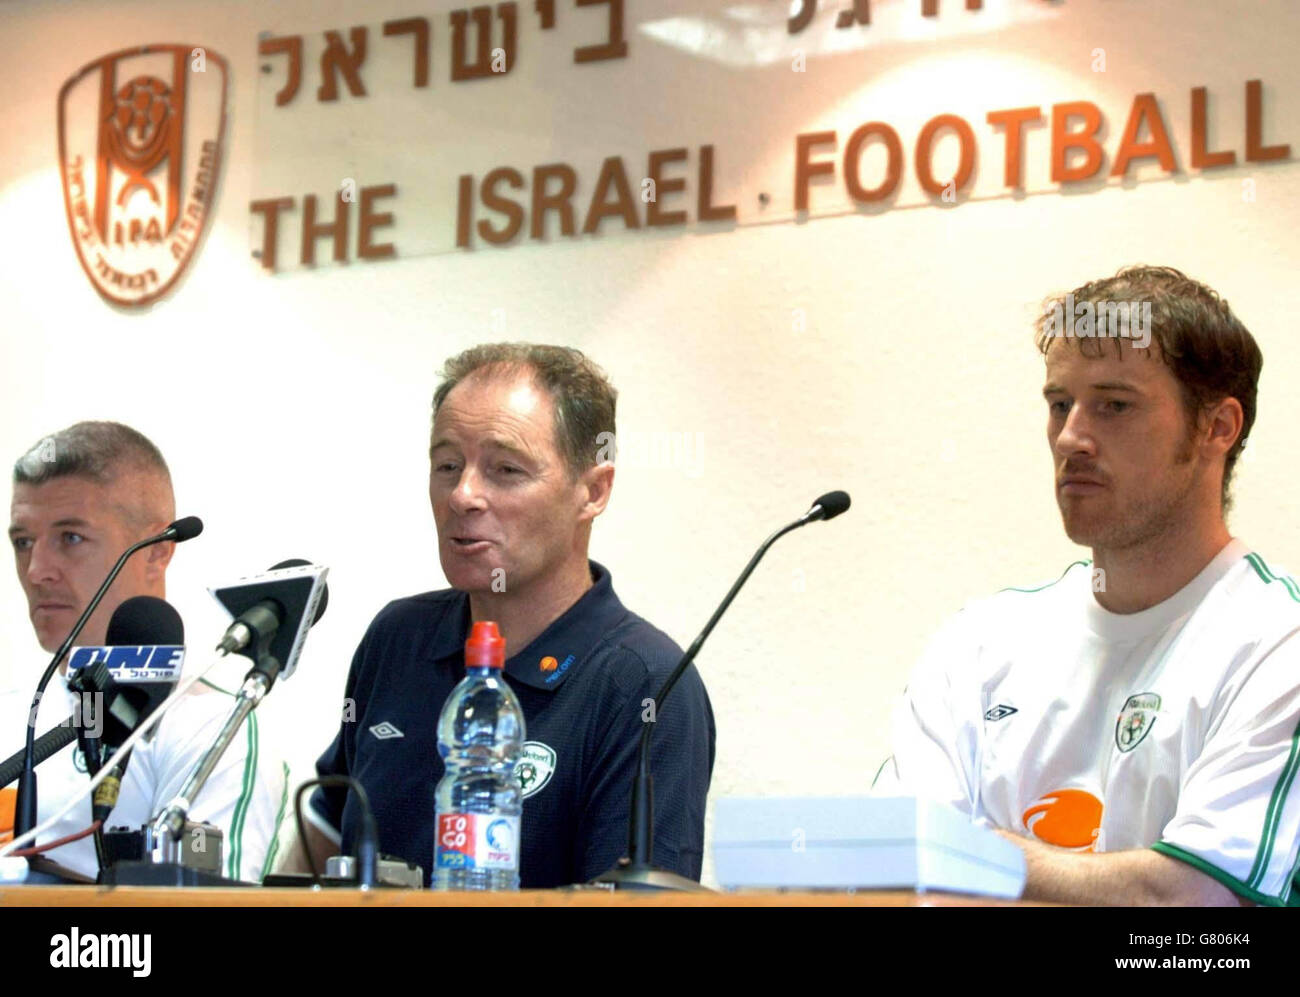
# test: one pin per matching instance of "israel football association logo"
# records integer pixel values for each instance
(140, 149)
(535, 767)
(1136, 720)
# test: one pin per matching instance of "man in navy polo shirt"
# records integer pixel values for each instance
(516, 480)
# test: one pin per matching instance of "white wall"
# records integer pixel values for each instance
(915, 385)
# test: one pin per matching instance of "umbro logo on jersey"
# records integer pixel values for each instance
(385, 730)
(1000, 712)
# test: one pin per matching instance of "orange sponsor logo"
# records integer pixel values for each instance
(1069, 818)
(549, 664)
(8, 800)
(140, 147)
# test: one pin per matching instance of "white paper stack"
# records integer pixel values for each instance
(863, 843)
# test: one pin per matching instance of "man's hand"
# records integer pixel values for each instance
(295, 860)
(1140, 877)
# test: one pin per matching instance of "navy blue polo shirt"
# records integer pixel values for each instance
(582, 683)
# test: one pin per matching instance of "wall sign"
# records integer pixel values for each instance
(140, 147)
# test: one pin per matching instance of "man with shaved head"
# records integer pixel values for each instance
(80, 498)
(92, 490)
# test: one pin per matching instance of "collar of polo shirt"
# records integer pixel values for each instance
(554, 654)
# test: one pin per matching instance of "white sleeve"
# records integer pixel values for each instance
(246, 794)
(934, 741)
(1238, 816)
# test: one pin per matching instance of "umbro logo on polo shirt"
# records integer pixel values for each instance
(1000, 712)
(385, 730)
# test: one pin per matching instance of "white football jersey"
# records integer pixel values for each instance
(1177, 728)
(245, 795)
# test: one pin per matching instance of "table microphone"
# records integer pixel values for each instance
(25, 811)
(635, 870)
(141, 621)
(272, 613)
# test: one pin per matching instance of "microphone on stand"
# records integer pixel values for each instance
(291, 592)
(272, 614)
(143, 652)
(25, 810)
(143, 624)
(636, 871)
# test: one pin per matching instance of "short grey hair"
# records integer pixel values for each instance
(584, 398)
(99, 451)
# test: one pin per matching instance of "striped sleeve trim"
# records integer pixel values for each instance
(274, 850)
(1266, 574)
(1291, 894)
(236, 856)
(1217, 874)
(1286, 780)
(235, 844)
(1273, 817)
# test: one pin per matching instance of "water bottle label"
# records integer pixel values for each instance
(477, 841)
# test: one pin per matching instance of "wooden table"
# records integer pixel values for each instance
(134, 896)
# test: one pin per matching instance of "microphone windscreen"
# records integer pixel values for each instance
(833, 503)
(145, 620)
(298, 562)
(187, 528)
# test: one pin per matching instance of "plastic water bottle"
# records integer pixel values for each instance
(479, 801)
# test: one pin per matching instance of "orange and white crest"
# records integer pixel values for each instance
(140, 147)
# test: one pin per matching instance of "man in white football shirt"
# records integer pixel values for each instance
(80, 498)
(1133, 726)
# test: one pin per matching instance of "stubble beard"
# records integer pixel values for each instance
(1142, 519)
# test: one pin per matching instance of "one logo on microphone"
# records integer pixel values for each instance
(145, 663)
(140, 147)
(385, 731)
(1068, 818)
(535, 767)
(1136, 720)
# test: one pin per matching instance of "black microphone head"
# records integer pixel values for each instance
(833, 503)
(280, 605)
(186, 529)
(144, 620)
(298, 562)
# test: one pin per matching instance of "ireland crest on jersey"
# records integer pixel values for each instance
(535, 767)
(1136, 719)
